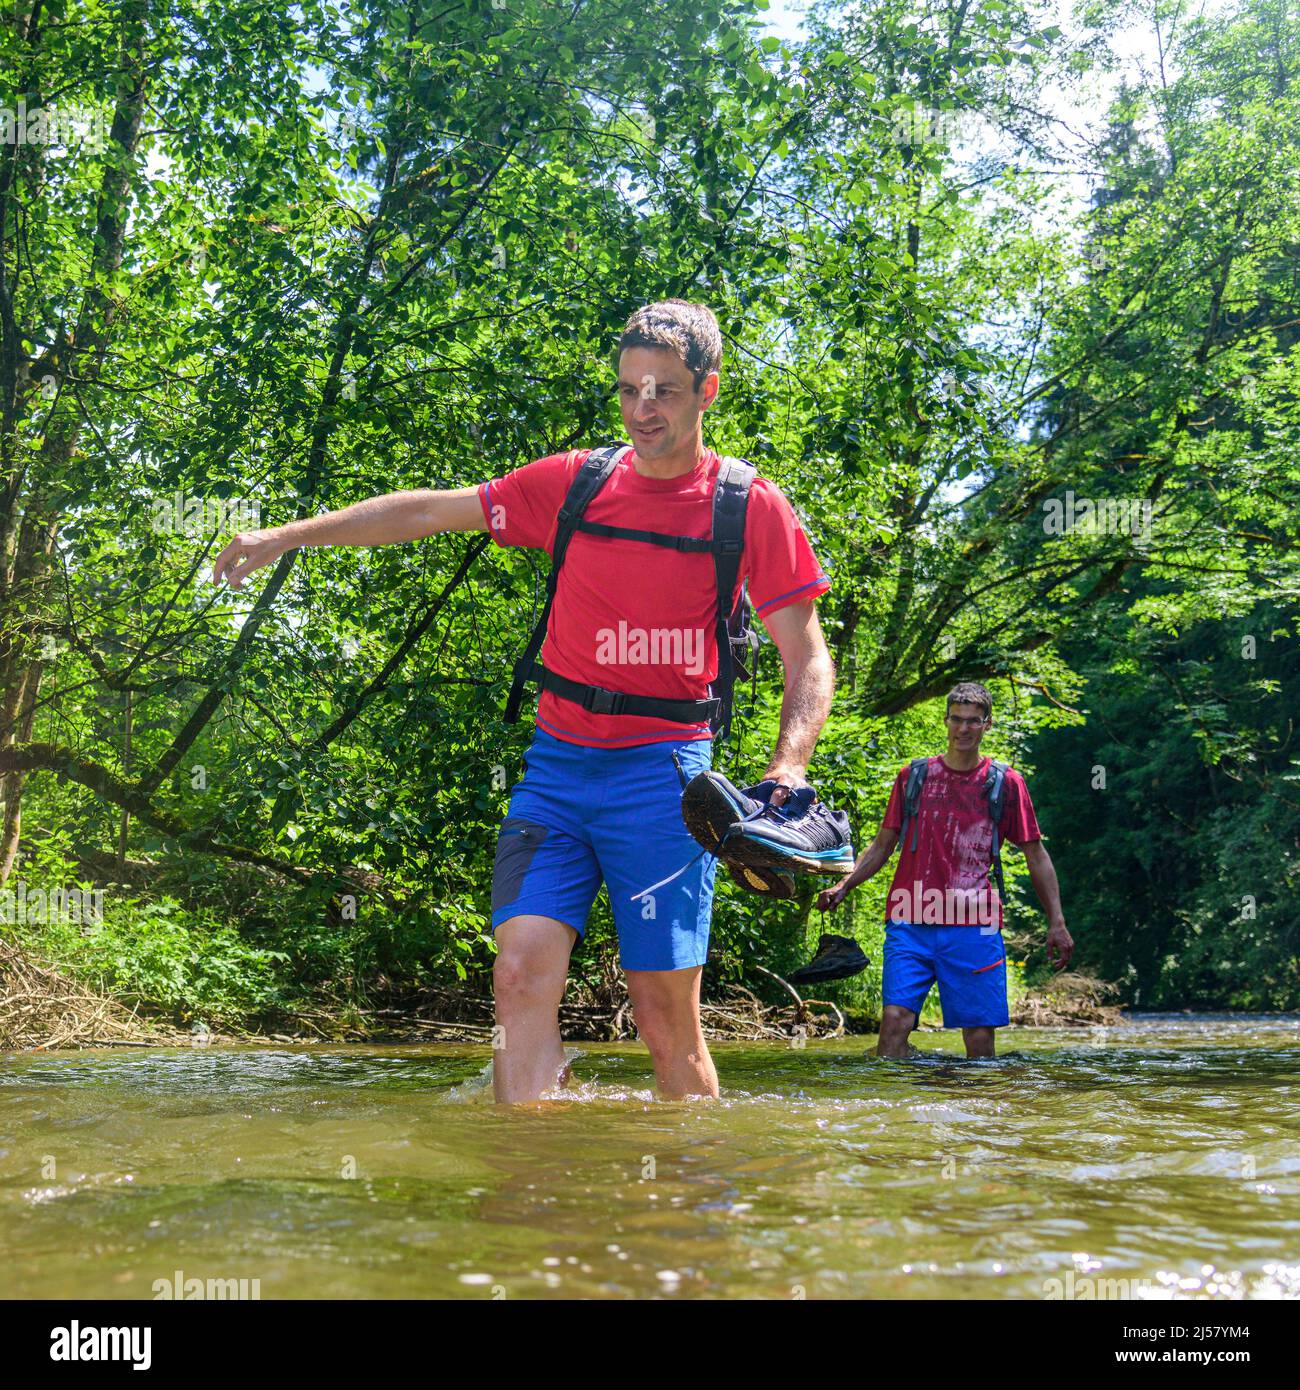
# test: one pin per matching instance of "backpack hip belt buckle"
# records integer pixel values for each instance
(600, 701)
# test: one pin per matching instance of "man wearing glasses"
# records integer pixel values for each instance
(945, 918)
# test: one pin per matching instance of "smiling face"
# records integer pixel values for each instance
(967, 725)
(661, 407)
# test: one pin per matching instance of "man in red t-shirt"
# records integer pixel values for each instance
(600, 800)
(944, 915)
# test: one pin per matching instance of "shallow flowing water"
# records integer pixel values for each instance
(1160, 1158)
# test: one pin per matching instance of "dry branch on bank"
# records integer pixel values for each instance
(435, 1013)
(1069, 1000)
(41, 1009)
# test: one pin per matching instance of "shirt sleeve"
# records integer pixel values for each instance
(894, 811)
(523, 507)
(779, 561)
(1019, 824)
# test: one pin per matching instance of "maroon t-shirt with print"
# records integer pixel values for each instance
(945, 880)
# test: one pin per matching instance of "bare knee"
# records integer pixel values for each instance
(896, 1023)
(530, 970)
(894, 1019)
(518, 984)
(657, 1024)
(979, 1041)
(666, 1019)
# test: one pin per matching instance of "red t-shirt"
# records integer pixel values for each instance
(945, 882)
(637, 618)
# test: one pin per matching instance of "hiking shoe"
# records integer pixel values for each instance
(803, 834)
(836, 958)
(711, 805)
(770, 883)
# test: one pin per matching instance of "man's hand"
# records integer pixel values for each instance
(246, 552)
(1059, 944)
(831, 898)
(788, 778)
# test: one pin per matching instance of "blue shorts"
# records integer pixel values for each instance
(969, 964)
(582, 815)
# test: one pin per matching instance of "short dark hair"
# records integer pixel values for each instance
(689, 330)
(970, 693)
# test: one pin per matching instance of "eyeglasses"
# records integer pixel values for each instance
(972, 721)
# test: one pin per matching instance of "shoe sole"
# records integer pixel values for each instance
(834, 972)
(764, 854)
(767, 882)
(709, 810)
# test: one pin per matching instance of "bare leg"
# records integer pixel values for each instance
(979, 1041)
(666, 1006)
(528, 980)
(896, 1023)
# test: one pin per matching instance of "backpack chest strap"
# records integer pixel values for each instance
(703, 545)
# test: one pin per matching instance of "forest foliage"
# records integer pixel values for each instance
(1028, 371)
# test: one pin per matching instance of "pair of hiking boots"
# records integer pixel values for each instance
(764, 846)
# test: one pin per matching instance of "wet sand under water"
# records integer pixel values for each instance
(1157, 1159)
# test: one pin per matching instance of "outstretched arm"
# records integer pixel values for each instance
(809, 689)
(872, 859)
(1042, 874)
(385, 520)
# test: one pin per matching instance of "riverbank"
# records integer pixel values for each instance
(42, 1009)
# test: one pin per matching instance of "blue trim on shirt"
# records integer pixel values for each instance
(626, 740)
(486, 503)
(812, 584)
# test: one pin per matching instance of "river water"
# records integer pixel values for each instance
(1157, 1159)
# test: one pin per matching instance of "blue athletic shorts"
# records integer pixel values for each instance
(582, 815)
(969, 964)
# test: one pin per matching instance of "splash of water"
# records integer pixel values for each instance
(478, 1089)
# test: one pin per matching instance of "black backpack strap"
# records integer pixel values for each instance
(995, 791)
(916, 771)
(730, 501)
(689, 544)
(587, 482)
(601, 701)
(745, 650)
